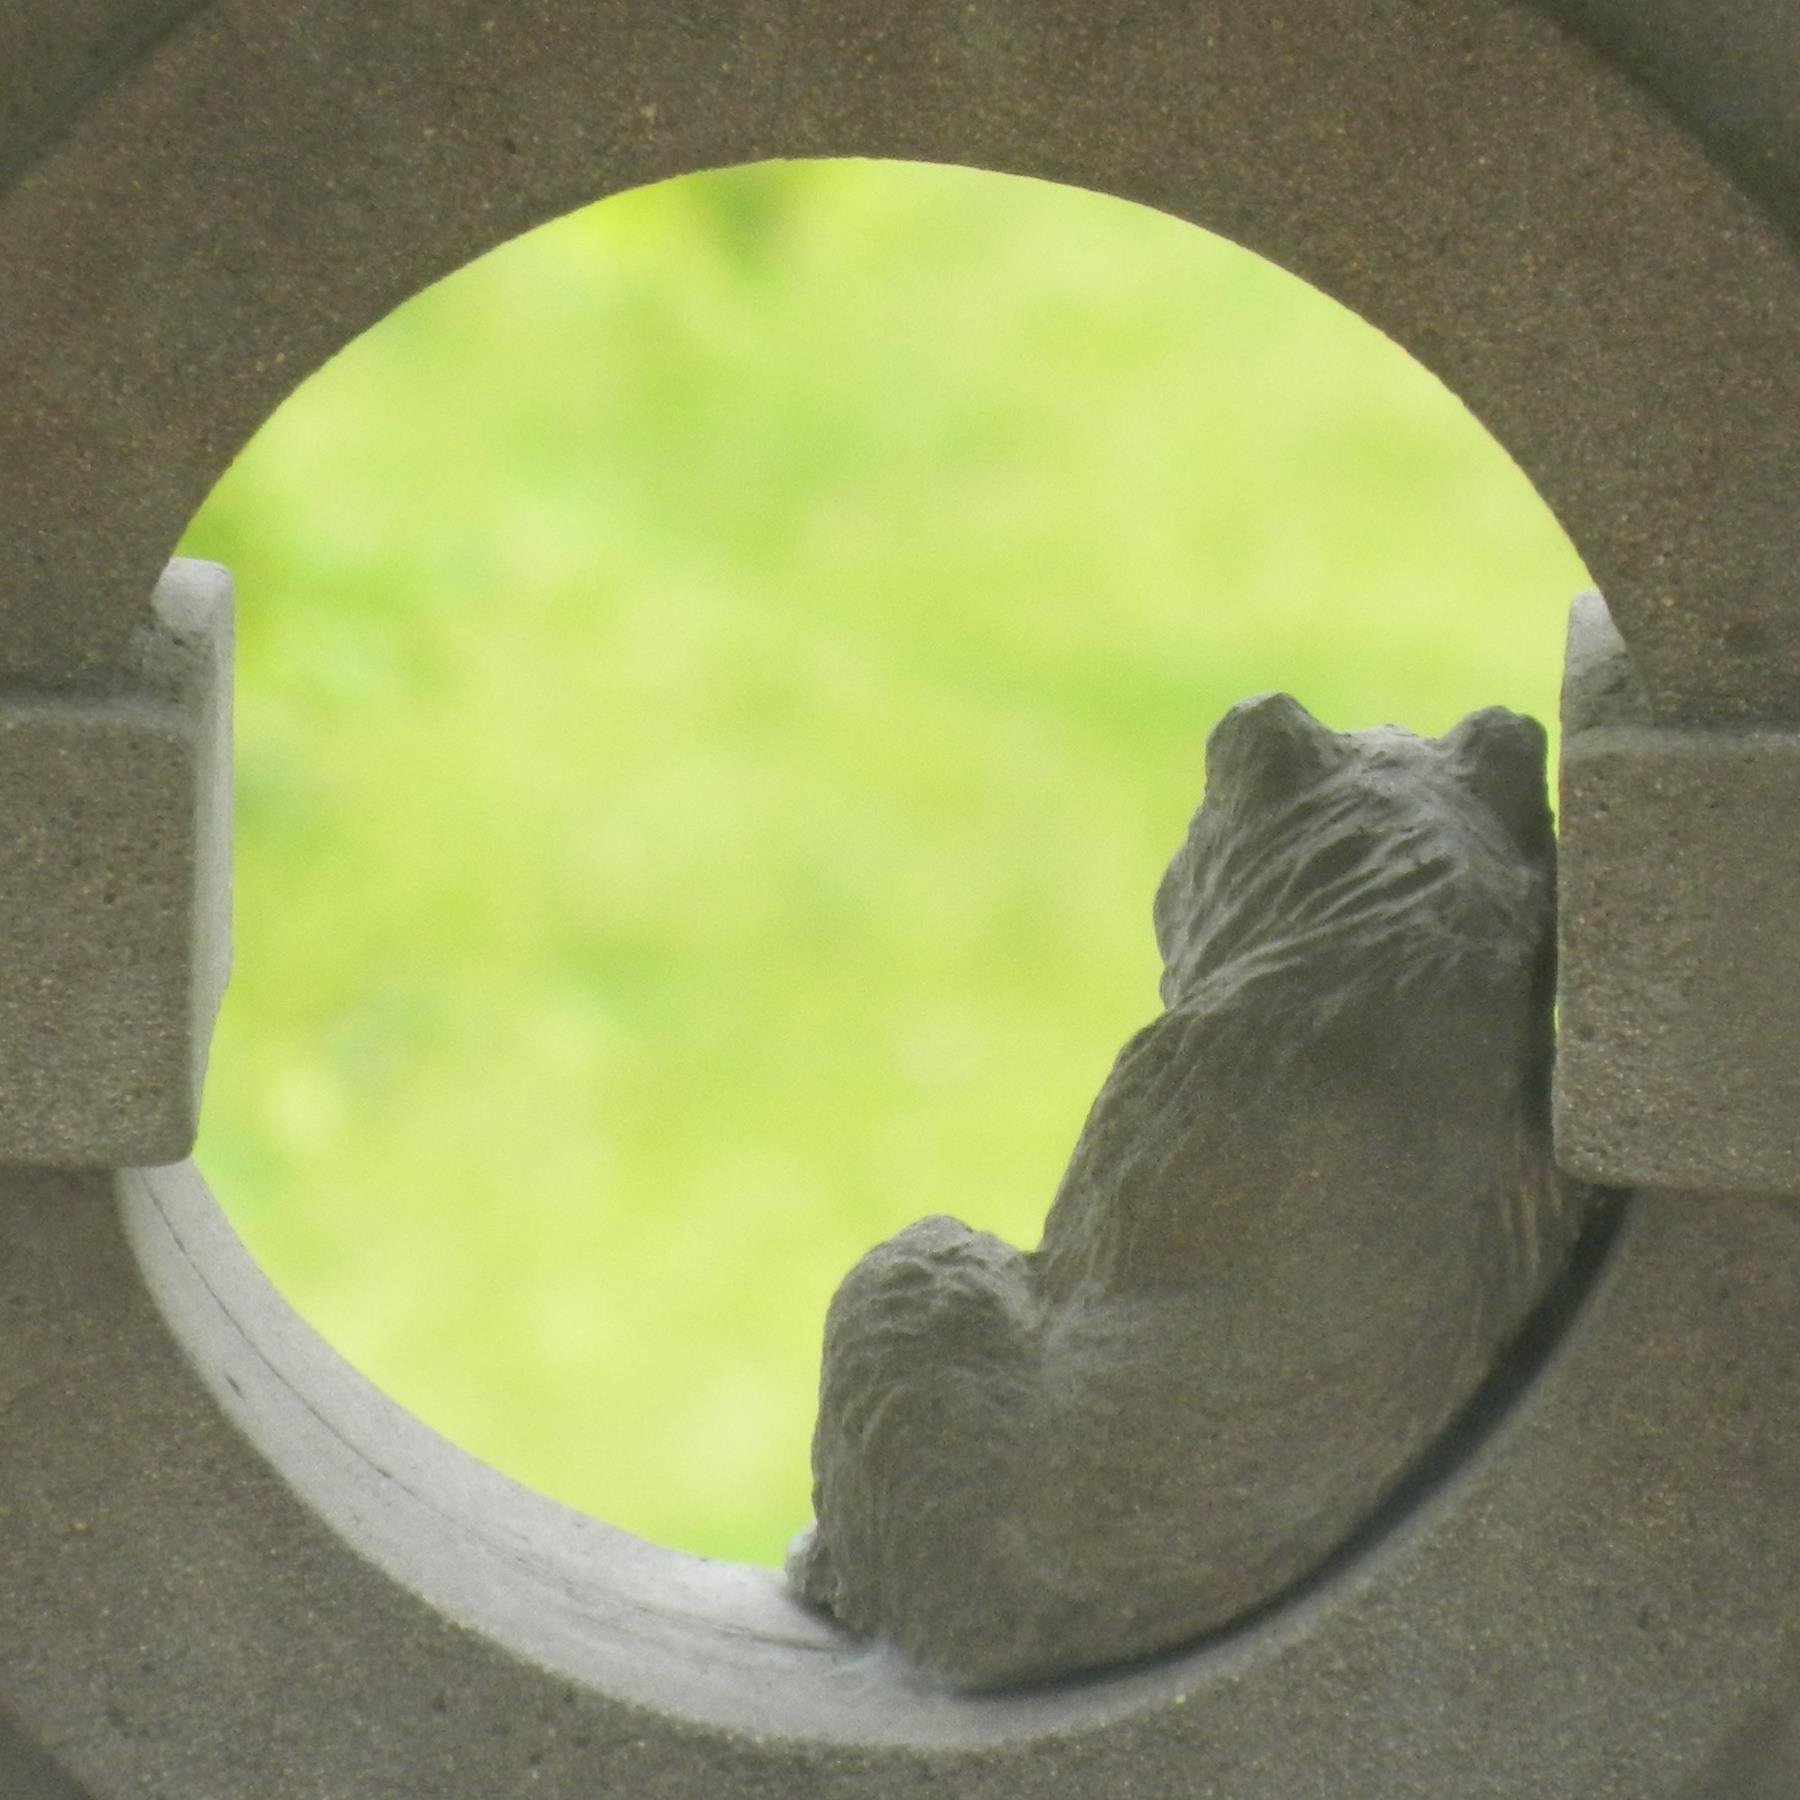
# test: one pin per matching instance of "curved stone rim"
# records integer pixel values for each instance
(267, 1545)
(1463, 173)
(266, 180)
(722, 1643)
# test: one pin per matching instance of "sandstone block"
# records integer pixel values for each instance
(114, 892)
(1680, 946)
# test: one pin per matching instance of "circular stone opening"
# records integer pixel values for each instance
(719, 678)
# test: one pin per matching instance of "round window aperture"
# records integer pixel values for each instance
(719, 678)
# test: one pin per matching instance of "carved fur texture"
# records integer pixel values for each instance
(1310, 1208)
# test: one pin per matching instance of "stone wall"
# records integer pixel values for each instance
(231, 1568)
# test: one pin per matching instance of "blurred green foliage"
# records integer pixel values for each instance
(719, 680)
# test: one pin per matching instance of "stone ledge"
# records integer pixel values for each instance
(114, 927)
(1680, 952)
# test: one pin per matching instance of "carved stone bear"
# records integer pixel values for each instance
(1309, 1210)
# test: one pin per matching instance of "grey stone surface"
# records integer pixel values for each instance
(1466, 174)
(233, 1569)
(1314, 1202)
(59, 54)
(114, 892)
(1680, 956)
(229, 1568)
(26, 1773)
(1725, 68)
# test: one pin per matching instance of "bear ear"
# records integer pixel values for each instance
(1500, 755)
(1270, 746)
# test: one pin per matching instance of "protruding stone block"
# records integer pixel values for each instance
(115, 892)
(1679, 1055)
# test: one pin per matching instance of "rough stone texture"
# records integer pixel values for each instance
(26, 1773)
(1313, 1203)
(1681, 961)
(114, 893)
(60, 54)
(1726, 69)
(277, 1584)
(230, 1569)
(1464, 173)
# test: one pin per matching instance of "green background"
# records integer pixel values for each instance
(719, 679)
